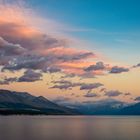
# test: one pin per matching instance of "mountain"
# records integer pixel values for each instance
(12, 102)
(102, 107)
(106, 107)
(131, 110)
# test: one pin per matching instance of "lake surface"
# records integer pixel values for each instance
(69, 128)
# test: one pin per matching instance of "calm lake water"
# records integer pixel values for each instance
(69, 128)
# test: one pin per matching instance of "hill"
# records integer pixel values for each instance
(12, 102)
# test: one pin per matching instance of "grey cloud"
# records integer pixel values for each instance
(81, 76)
(53, 69)
(71, 75)
(89, 94)
(10, 49)
(97, 66)
(26, 62)
(30, 76)
(63, 84)
(4, 60)
(113, 93)
(117, 69)
(7, 81)
(90, 86)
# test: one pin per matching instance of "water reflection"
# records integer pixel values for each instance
(69, 128)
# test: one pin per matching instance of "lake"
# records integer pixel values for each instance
(69, 128)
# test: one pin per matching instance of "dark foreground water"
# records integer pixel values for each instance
(69, 128)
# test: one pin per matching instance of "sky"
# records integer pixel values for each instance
(71, 51)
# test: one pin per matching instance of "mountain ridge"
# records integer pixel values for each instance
(12, 102)
(106, 107)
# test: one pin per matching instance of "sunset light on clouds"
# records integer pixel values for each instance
(47, 55)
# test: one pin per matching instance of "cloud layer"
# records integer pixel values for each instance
(26, 48)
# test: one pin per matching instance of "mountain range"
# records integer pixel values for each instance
(12, 102)
(105, 107)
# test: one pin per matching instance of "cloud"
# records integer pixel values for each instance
(29, 38)
(97, 66)
(24, 46)
(63, 84)
(113, 93)
(30, 76)
(90, 86)
(137, 98)
(27, 47)
(7, 81)
(100, 69)
(127, 94)
(117, 69)
(26, 62)
(7, 48)
(20, 25)
(89, 94)
(53, 69)
(9, 51)
(71, 75)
